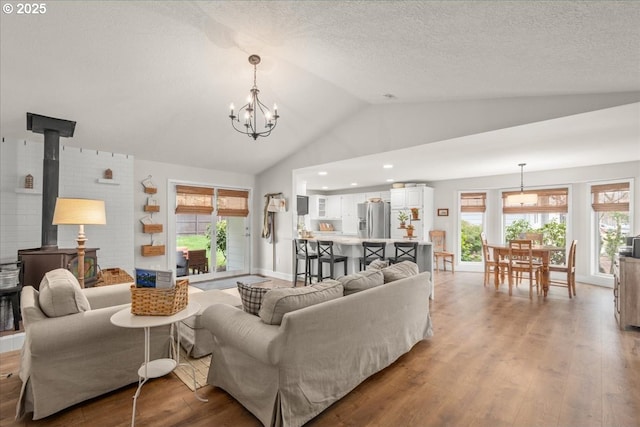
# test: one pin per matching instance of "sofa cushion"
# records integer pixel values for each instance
(400, 271)
(357, 282)
(60, 294)
(377, 264)
(251, 297)
(280, 301)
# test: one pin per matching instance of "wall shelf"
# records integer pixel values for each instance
(28, 191)
(152, 228)
(107, 181)
(152, 250)
(152, 208)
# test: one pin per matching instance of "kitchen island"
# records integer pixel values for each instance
(352, 248)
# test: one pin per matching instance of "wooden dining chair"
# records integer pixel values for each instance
(491, 265)
(438, 241)
(569, 269)
(521, 261)
(536, 238)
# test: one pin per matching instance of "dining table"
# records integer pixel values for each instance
(543, 252)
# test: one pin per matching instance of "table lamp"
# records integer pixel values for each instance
(79, 212)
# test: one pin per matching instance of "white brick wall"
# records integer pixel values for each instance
(80, 171)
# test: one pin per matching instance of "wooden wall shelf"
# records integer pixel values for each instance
(152, 208)
(152, 228)
(151, 250)
(150, 190)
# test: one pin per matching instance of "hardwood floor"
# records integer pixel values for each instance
(494, 360)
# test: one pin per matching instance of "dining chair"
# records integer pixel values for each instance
(438, 241)
(327, 256)
(536, 238)
(303, 253)
(491, 265)
(569, 269)
(404, 251)
(521, 261)
(371, 251)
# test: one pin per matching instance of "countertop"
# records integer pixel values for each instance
(350, 240)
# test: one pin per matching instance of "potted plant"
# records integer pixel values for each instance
(414, 213)
(410, 229)
(402, 217)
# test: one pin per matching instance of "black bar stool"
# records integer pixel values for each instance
(326, 255)
(303, 254)
(371, 251)
(405, 251)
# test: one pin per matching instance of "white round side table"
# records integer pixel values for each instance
(159, 367)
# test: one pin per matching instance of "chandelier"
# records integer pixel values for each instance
(254, 108)
(522, 198)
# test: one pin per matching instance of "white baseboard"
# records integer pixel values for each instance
(11, 342)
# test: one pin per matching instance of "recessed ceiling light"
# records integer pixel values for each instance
(387, 166)
(390, 180)
(354, 183)
(390, 96)
(322, 173)
(325, 187)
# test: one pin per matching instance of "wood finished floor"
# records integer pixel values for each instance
(494, 360)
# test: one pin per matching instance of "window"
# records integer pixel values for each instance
(472, 208)
(547, 216)
(610, 204)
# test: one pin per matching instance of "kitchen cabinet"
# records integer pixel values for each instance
(626, 291)
(349, 213)
(383, 195)
(334, 207)
(406, 198)
(317, 207)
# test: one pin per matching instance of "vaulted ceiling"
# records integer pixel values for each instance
(155, 78)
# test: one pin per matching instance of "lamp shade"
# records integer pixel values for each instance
(522, 199)
(79, 212)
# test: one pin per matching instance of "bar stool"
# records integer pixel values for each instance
(405, 251)
(326, 255)
(303, 254)
(371, 251)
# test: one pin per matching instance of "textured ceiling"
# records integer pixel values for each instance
(154, 79)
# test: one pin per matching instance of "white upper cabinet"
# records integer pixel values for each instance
(334, 207)
(404, 198)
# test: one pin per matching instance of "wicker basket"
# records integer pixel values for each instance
(113, 276)
(159, 302)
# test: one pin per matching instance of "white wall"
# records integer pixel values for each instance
(161, 174)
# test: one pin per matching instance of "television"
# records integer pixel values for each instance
(302, 204)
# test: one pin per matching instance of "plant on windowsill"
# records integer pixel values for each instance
(403, 217)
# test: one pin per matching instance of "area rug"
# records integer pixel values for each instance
(200, 366)
(231, 282)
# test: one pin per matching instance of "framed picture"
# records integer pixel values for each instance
(443, 212)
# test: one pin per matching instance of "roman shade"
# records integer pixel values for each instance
(194, 200)
(610, 197)
(473, 202)
(553, 200)
(233, 203)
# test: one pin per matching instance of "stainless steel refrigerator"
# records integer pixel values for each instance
(374, 220)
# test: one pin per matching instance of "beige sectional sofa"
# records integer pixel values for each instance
(288, 373)
(72, 352)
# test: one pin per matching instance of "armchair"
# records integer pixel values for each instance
(74, 357)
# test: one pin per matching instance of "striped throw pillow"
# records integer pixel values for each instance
(251, 297)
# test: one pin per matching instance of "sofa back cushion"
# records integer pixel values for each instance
(60, 294)
(277, 302)
(357, 282)
(251, 297)
(400, 271)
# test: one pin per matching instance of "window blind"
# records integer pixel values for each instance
(554, 200)
(194, 200)
(233, 203)
(473, 202)
(610, 197)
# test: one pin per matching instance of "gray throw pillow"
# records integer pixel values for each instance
(251, 297)
(281, 301)
(377, 264)
(357, 282)
(400, 271)
(60, 294)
